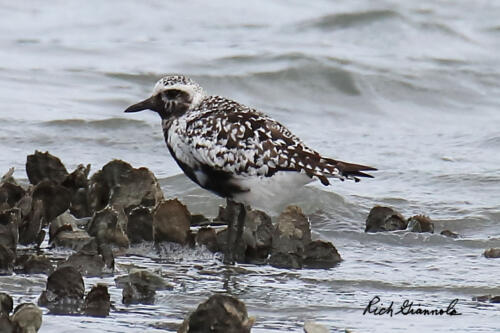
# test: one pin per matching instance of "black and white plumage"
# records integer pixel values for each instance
(235, 151)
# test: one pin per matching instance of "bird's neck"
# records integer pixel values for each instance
(166, 123)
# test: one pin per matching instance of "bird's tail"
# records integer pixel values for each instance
(343, 170)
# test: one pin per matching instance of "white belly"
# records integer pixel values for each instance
(270, 193)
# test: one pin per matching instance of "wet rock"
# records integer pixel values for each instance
(258, 236)
(34, 264)
(91, 247)
(31, 225)
(312, 327)
(80, 205)
(64, 291)
(69, 238)
(48, 201)
(40, 238)
(97, 302)
(486, 298)
(44, 166)
(9, 177)
(450, 234)
(78, 178)
(492, 253)
(219, 314)
(384, 219)
(140, 286)
(7, 257)
(9, 224)
(119, 184)
(27, 318)
(56, 199)
(92, 260)
(132, 294)
(78, 184)
(207, 237)
(89, 265)
(6, 303)
(64, 232)
(107, 255)
(107, 226)
(321, 254)
(420, 223)
(483, 298)
(290, 237)
(11, 193)
(63, 222)
(149, 279)
(171, 222)
(4, 206)
(6, 326)
(140, 225)
(25, 205)
(199, 220)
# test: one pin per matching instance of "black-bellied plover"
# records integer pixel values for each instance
(235, 151)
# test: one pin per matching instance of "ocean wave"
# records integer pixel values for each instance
(109, 123)
(491, 142)
(289, 76)
(470, 179)
(350, 20)
(443, 29)
(143, 79)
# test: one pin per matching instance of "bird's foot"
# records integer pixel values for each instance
(235, 245)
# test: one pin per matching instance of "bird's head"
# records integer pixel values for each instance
(172, 96)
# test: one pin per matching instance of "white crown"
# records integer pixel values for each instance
(183, 83)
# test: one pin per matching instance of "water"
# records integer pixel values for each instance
(408, 87)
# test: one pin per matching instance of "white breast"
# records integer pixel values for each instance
(177, 141)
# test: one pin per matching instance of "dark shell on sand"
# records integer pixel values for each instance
(140, 286)
(119, 184)
(64, 291)
(171, 222)
(385, 219)
(44, 166)
(291, 235)
(97, 302)
(219, 314)
(492, 253)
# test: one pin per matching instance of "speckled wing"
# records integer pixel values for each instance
(231, 137)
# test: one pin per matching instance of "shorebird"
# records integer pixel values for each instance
(236, 151)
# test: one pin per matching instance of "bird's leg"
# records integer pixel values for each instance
(239, 232)
(228, 251)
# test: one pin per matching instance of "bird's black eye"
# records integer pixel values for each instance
(172, 93)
